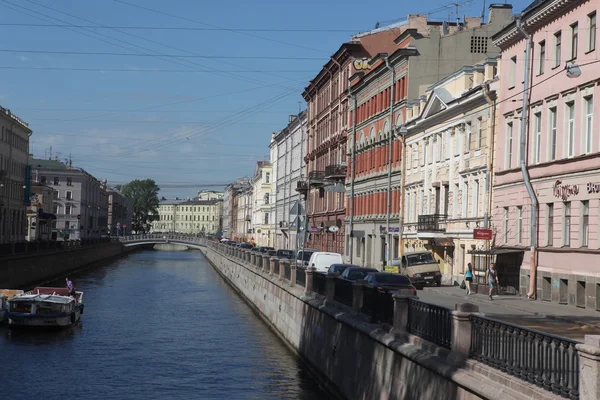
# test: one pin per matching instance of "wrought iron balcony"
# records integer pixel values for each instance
(432, 223)
(316, 178)
(302, 187)
(335, 172)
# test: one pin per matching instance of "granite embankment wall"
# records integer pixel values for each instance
(28, 270)
(352, 358)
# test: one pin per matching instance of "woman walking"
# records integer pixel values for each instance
(469, 277)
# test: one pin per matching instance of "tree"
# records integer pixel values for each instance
(144, 195)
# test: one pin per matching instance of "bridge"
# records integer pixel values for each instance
(162, 238)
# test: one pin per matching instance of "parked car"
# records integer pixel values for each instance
(322, 260)
(355, 273)
(303, 257)
(388, 282)
(245, 246)
(420, 266)
(264, 249)
(272, 253)
(339, 268)
(283, 253)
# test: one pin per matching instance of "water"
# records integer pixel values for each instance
(157, 325)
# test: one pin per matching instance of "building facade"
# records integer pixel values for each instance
(244, 208)
(191, 217)
(230, 206)
(39, 220)
(448, 158)
(559, 241)
(80, 200)
(383, 94)
(288, 172)
(263, 224)
(120, 213)
(14, 179)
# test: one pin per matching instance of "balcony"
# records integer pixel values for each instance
(302, 187)
(316, 178)
(335, 172)
(432, 223)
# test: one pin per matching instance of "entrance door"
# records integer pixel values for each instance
(446, 193)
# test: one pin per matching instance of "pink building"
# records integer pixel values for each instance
(561, 155)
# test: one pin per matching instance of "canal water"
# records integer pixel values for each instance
(157, 325)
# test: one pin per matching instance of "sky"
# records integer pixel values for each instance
(184, 92)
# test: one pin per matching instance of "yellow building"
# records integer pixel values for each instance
(195, 217)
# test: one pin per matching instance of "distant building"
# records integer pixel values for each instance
(210, 195)
(195, 217)
(230, 202)
(80, 200)
(263, 225)
(39, 217)
(14, 177)
(120, 213)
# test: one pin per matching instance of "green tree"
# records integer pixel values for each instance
(144, 194)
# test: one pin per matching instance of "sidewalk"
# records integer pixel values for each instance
(553, 318)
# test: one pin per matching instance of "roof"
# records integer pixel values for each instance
(184, 202)
(46, 164)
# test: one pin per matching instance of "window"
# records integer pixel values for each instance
(267, 218)
(56, 180)
(42, 179)
(56, 194)
(589, 122)
(68, 209)
(266, 198)
(415, 155)
(585, 223)
(552, 136)
(509, 145)
(55, 209)
(466, 199)
(267, 177)
(592, 31)
(476, 199)
(469, 137)
(519, 224)
(440, 144)
(550, 230)
(69, 195)
(557, 48)
(574, 39)
(537, 120)
(570, 128)
(567, 224)
(69, 182)
(505, 225)
(479, 137)
(542, 56)
(513, 72)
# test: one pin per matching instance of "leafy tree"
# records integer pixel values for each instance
(144, 194)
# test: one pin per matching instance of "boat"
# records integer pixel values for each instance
(5, 295)
(45, 307)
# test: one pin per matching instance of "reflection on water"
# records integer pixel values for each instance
(156, 325)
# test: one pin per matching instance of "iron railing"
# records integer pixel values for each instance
(343, 291)
(301, 276)
(316, 176)
(319, 283)
(302, 186)
(26, 248)
(379, 305)
(431, 322)
(548, 361)
(432, 223)
(335, 171)
(368, 300)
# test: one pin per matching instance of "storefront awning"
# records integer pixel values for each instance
(441, 242)
(491, 252)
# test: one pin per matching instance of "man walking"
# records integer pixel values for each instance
(492, 278)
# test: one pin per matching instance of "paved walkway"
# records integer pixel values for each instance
(553, 318)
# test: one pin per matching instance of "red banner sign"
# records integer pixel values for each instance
(482, 234)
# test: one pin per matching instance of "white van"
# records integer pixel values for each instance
(321, 260)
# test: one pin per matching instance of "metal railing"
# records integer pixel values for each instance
(301, 276)
(431, 322)
(546, 360)
(28, 248)
(378, 305)
(335, 171)
(432, 223)
(319, 283)
(343, 291)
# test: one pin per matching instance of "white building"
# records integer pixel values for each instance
(286, 159)
(263, 224)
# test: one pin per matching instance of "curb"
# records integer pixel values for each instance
(537, 314)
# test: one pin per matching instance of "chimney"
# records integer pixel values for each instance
(500, 14)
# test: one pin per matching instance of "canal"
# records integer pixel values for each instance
(157, 325)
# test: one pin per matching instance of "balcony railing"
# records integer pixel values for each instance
(302, 186)
(316, 177)
(432, 223)
(335, 172)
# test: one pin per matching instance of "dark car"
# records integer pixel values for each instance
(231, 242)
(340, 268)
(245, 246)
(264, 249)
(356, 273)
(271, 253)
(390, 282)
(284, 253)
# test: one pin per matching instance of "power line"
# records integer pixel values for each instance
(181, 28)
(18, 67)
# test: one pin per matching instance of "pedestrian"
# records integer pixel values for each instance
(70, 287)
(492, 278)
(469, 277)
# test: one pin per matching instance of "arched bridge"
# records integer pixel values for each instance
(162, 238)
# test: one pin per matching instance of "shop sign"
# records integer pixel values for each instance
(483, 234)
(563, 192)
(593, 188)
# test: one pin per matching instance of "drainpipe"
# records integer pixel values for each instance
(402, 132)
(526, 180)
(490, 159)
(389, 182)
(352, 173)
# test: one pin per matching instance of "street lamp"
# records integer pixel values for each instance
(573, 70)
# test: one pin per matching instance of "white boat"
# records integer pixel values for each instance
(5, 295)
(45, 307)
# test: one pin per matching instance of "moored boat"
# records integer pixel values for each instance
(5, 295)
(45, 307)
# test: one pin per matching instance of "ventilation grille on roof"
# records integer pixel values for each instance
(479, 44)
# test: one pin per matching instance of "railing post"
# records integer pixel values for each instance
(282, 264)
(357, 294)
(292, 274)
(330, 286)
(308, 284)
(259, 261)
(460, 344)
(265, 263)
(273, 260)
(401, 309)
(253, 258)
(589, 367)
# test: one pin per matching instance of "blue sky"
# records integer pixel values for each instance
(133, 107)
